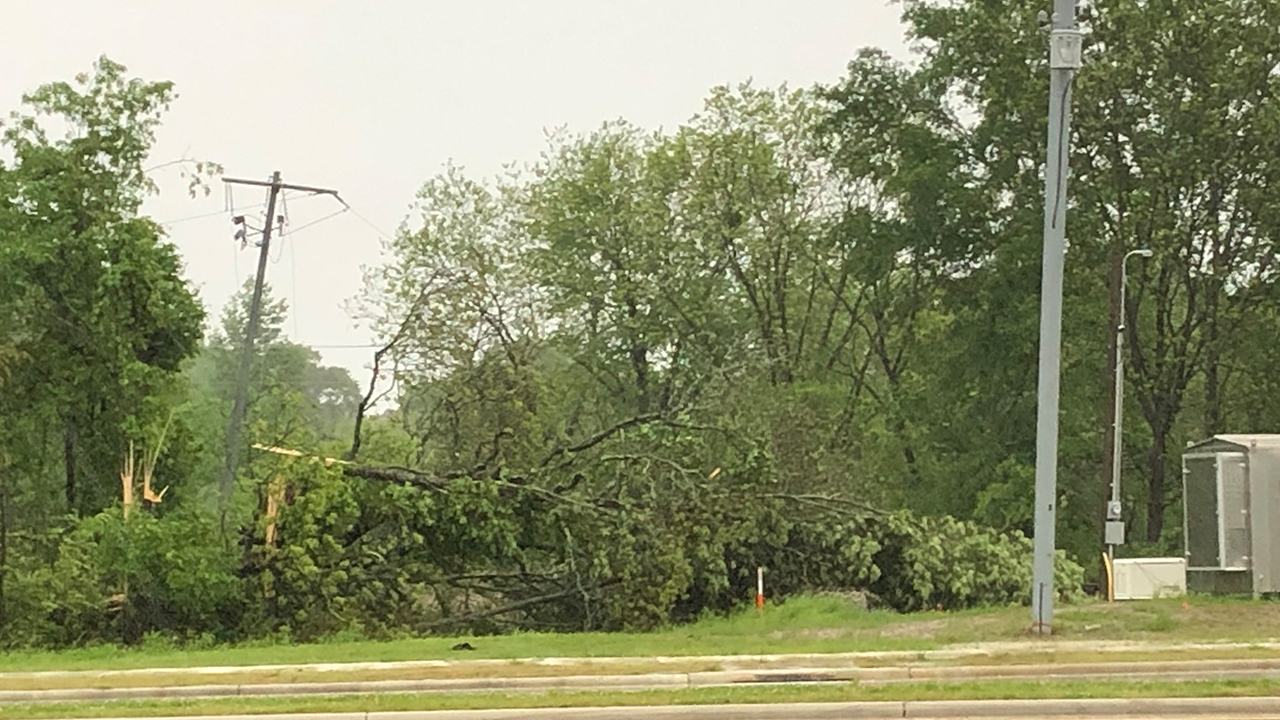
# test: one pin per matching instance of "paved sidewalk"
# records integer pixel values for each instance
(728, 662)
(1118, 671)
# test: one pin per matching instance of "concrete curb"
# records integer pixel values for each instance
(1167, 671)
(654, 681)
(989, 709)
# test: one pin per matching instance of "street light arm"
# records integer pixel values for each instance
(1124, 279)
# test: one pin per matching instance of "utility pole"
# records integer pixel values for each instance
(1065, 58)
(240, 406)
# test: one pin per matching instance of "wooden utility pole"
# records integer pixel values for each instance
(240, 406)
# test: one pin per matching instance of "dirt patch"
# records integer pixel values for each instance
(813, 634)
(923, 629)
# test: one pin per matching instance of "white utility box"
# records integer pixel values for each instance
(1231, 514)
(1146, 578)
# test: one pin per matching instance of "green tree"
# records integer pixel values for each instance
(294, 399)
(104, 317)
(1172, 150)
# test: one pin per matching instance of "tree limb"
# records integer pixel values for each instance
(512, 607)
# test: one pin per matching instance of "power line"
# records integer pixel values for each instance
(337, 346)
(367, 221)
(300, 228)
(203, 216)
(225, 211)
(293, 272)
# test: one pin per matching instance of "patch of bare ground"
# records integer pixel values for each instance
(831, 633)
(926, 629)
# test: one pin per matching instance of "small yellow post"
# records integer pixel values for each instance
(1111, 577)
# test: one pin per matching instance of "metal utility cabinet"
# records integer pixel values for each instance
(1231, 514)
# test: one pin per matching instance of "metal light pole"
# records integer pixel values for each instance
(1115, 527)
(1065, 58)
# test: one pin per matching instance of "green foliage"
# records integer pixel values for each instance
(908, 563)
(294, 399)
(380, 560)
(285, 377)
(1173, 149)
(97, 315)
(114, 580)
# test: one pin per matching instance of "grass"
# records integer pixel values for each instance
(1062, 657)
(696, 696)
(801, 625)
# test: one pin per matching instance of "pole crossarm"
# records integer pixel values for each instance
(282, 186)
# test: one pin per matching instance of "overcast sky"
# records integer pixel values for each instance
(372, 97)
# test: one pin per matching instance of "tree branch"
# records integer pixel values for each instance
(519, 605)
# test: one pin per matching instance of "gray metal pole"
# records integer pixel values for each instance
(1117, 424)
(1064, 60)
(1117, 420)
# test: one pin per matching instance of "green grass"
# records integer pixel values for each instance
(820, 624)
(1032, 656)
(801, 625)
(696, 696)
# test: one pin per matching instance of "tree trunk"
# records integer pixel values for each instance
(640, 364)
(69, 463)
(900, 424)
(1212, 382)
(1212, 398)
(639, 356)
(1156, 483)
(4, 544)
(909, 454)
